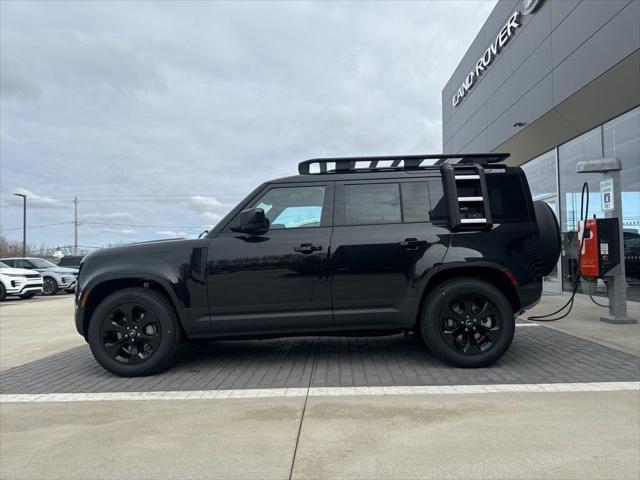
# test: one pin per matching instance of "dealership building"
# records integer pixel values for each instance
(554, 82)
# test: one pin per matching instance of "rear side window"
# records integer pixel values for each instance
(415, 201)
(399, 202)
(507, 196)
(438, 212)
(372, 203)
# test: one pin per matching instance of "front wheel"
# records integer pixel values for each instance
(467, 322)
(49, 286)
(134, 332)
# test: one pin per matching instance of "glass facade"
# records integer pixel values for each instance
(553, 178)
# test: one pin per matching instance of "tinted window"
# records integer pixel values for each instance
(372, 203)
(507, 197)
(11, 263)
(438, 202)
(415, 201)
(293, 207)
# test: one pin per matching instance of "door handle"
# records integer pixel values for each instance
(307, 248)
(413, 243)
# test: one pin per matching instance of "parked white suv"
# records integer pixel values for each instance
(54, 278)
(18, 281)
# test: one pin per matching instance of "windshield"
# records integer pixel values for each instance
(41, 263)
(4, 265)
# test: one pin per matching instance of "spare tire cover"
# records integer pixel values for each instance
(549, 236)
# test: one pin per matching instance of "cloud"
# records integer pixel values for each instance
(173, 112)
(171, 233)
(212, 216)
(205, 203)
(39, 201)
(119, 231)
(108, 216)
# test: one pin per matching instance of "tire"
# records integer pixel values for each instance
(49, 286)
(28, 295)
(452, 307)
(123, 344)
(3, 292)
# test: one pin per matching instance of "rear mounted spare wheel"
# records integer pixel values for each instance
(549, 236)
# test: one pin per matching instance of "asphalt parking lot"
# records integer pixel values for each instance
(329, 407)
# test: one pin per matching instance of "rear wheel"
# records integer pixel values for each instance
(49, 286)
(467, 322)
(3, 292)
(134, 332)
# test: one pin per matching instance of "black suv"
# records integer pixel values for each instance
(449, 246)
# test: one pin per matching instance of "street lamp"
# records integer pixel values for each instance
(24, 222)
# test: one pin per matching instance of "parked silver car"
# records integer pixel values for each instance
(54, 278)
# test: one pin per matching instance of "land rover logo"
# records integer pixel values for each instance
(529, 6)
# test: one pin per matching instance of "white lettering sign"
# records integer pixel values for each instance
(504, 35)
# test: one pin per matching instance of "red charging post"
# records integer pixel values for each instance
(588, 244)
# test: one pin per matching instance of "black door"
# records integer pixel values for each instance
(384, 242)
(278, 280)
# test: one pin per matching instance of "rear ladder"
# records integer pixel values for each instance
(467, 197)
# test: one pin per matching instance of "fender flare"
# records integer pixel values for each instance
(454, 269)
(164, 282)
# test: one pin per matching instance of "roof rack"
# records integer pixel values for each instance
(396, 162)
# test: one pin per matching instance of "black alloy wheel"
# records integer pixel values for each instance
(134, 332)
(49, 286)
(470, 323)
(131, 333)
(467, 322)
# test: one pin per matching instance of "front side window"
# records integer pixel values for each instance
(372, 203)
(293, 207)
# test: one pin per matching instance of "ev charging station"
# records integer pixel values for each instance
(602, 242)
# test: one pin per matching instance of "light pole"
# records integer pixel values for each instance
(24, 222)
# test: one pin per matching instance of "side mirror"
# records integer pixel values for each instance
(252, 221)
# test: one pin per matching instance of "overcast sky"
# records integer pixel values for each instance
(161, 116)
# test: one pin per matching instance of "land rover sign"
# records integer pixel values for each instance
(504, 35)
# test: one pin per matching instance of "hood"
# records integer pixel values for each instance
(17, 271)
(142, 248)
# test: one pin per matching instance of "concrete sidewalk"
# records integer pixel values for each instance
(584, 322)
(506, 435)
(36, 328)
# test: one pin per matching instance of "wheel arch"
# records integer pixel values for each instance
(494, 275)
(102, 288)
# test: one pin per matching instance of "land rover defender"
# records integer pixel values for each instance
(450, 247)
